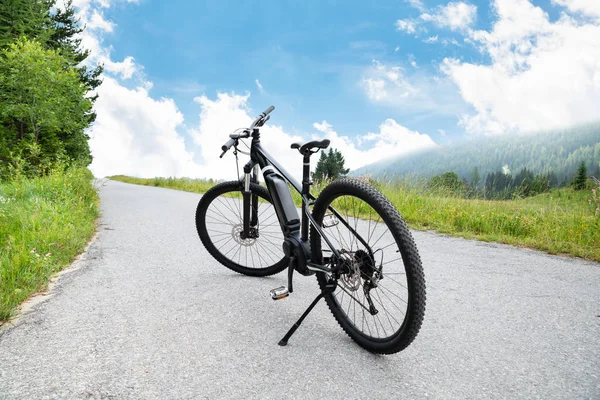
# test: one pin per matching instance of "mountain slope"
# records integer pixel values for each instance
(559, 152)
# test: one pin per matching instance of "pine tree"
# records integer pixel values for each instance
(30, 18)
(475, 178)
(330, 166)
(65, 28)
(580, 177)
(597, 172)
(321, 170)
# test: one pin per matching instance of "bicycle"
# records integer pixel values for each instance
(256, 231)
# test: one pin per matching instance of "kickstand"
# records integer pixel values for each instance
(328, 289)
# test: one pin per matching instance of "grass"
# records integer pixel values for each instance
(188, 185)
(561, 221)
(44, 223)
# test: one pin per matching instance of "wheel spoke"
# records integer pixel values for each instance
(223, 224)
(363, 221)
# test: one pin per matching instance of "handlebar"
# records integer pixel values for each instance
(228, 145)
(258, 122)
(262, 118)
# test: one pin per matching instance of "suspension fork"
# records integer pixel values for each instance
(250, 200)
(254, 203)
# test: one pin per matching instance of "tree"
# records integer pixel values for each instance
(499, 185)
(597, 173)
(42, 104)
(448, 181)
(29, 18)
(64, 37)
(330, 166)
(580, 177)
(475, 178)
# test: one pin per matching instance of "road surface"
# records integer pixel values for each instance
(148, 314)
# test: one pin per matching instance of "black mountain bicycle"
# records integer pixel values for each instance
(364, 257)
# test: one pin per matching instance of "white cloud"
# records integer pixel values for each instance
(90, 14)
(412, 61)
(229, 111)
(137, 135)
(391, 140)
(133, 133)
(431, 39)
(125, 68)
(97, 3)
(406, 25)
(414, 92)
(385, 81)
(542, 74)
(97, 21)
(586, 7)
(259, 86)
(454, 15)
(225, 114)
(418, 4)
(375, 88)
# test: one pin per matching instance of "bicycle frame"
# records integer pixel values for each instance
(295, 229)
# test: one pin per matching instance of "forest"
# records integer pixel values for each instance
(506, 160)
(46, 91)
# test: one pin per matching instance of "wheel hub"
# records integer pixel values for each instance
(351, 279)
(238, 235)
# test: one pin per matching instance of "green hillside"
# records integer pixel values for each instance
(559, 152)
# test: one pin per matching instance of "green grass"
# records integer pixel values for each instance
(559, 222)
(188, 185)
(44, 223)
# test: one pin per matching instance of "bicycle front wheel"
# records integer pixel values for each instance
(379, 298)
(219, 221)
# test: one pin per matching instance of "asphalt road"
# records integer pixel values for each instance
(148, 314)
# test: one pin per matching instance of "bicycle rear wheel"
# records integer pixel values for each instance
(379, 300)
(219, 221)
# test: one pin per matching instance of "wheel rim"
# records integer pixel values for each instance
(224, 225)
(390, 296)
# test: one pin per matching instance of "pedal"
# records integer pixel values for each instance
(279, 293)
(330, 220)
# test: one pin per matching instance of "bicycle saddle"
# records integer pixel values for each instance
(308, 146)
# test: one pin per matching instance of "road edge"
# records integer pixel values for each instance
(28, 306)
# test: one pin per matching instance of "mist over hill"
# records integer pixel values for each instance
(559, 152)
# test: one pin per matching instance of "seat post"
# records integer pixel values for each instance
(305, 191)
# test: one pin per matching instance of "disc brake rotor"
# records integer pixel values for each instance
(351, 280)
(236, 233)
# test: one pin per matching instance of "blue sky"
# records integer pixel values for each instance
(431, 67)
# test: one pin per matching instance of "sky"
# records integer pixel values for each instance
(378, 78)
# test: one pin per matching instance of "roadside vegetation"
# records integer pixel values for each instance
(185, 184)
(44, 223)
(558, 221)
(48, 204)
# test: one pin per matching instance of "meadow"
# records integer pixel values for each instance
(561, 221)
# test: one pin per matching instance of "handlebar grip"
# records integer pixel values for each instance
(268, 111)
(228, 145)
